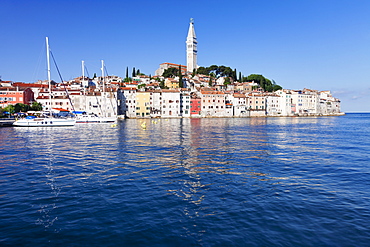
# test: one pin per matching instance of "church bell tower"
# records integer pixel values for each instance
(191, 48)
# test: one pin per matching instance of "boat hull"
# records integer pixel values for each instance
(44, 122)
(95, 120)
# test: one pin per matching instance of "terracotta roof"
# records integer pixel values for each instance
(127, 88)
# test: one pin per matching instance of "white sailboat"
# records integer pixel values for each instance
(93, 118)
(49, 121)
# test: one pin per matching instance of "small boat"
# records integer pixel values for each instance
(32, 121)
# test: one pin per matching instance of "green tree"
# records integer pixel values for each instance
(9, 108)
(126, 72)
(211, 76)
(181, 83)
(127, 79)
(36, 106)
(161, 84)
(264, 83)
(170, 72)
(141, 85)
(19, 107)
(234, 75)
(227, 81)
(202, 71)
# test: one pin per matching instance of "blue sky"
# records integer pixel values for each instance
(316, 44)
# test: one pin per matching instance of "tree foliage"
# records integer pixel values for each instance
(19, 107)
(264, 83)
(227, 81)
(36, 106)
(127, 79)
(141, 85)
(170, 72)
(181, 83)
(218, 71)
(9, 108)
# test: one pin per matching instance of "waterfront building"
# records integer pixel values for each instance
(184, 103)
(191, 48)
(155, 103)
(195, 106)
(170, 103)
(239, 103)
(274, 105)
(35, 87)
(103, 104)
(127, 102)
(60, 99)
(213, 104)
(12, 96)
(328, 104)
(306, 101)
(287, 108)
(142, 104)
(257, 104)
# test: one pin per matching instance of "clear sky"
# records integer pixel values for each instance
(315, 44)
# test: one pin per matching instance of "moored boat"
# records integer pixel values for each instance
(92, 118)
(32, 121)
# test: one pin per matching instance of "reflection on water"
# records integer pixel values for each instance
(202, 181)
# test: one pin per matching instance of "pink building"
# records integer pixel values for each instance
(195, 106)
(12, 96)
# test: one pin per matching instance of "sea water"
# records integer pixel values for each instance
(188, 182)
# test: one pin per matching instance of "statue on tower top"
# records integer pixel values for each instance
(192, 20)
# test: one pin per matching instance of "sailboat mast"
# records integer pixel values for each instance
(83, 70)
(49, 80)
(102, 94)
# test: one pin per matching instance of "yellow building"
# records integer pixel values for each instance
(142, 104)
(171, 83)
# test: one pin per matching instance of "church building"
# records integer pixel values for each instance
(191, 54)
(191, 48)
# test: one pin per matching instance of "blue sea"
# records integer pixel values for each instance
(188, 182)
